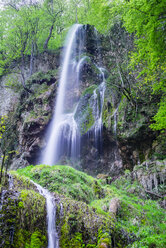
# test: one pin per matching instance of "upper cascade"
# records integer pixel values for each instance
(64, 135)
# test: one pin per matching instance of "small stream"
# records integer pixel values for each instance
(53, 239)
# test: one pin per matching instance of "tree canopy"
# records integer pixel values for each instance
(29, 27)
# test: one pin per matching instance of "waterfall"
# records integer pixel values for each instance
(115, 120)
(97, 102)
(53, 239)
(64, 138)
(11, 183)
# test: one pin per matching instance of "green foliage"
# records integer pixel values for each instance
(26, 27)
(89, 90)
(2, 125)
(99, 15)
(63, 180)
(136, 216)
(37, 240)
(160, 117)
(146, 20)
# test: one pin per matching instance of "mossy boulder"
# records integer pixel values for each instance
(81, 225)
(40, 77)
(83, 218)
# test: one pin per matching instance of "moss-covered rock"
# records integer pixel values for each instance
(64, 180)
(85, 115)
(22, 216)
(88, 222)
(40, 77)
(81, 225)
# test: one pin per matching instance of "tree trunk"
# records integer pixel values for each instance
(48, 38)
(31, 59)
(76, 15)
(2, 165)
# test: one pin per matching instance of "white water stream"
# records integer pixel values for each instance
(63, 136)
(53, 239)
(97, 102)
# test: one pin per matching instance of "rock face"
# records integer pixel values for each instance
(8, 97)
(33, 114)
(114, 205)
(152, 175)
(126, 140)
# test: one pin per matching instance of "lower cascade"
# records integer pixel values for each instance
(67, 127)
(53, 239)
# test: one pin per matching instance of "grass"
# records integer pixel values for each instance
(64, 180)
(137, 215)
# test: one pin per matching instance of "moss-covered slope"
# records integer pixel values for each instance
(101, 212)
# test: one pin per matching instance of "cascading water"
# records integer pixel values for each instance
(63, 134)
(53, 239)
(64, 137)
(97, 101)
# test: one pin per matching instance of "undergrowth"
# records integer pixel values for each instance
(138, 215)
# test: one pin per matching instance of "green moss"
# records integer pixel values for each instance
(87, 120)
(63, 180)
(36, 241)
(98, 190)
(40, 77)
(81, 224)
(89, 90)
(84, 114)
(138, 221)
(26, 215)
(24, 239)
(104, 239)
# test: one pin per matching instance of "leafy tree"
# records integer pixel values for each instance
(53, 11)
(26, 29)
(147, 20)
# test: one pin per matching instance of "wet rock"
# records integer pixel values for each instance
(152, 175)
(18, 163)
(114, 205)
(8, 96)
(103, 245)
